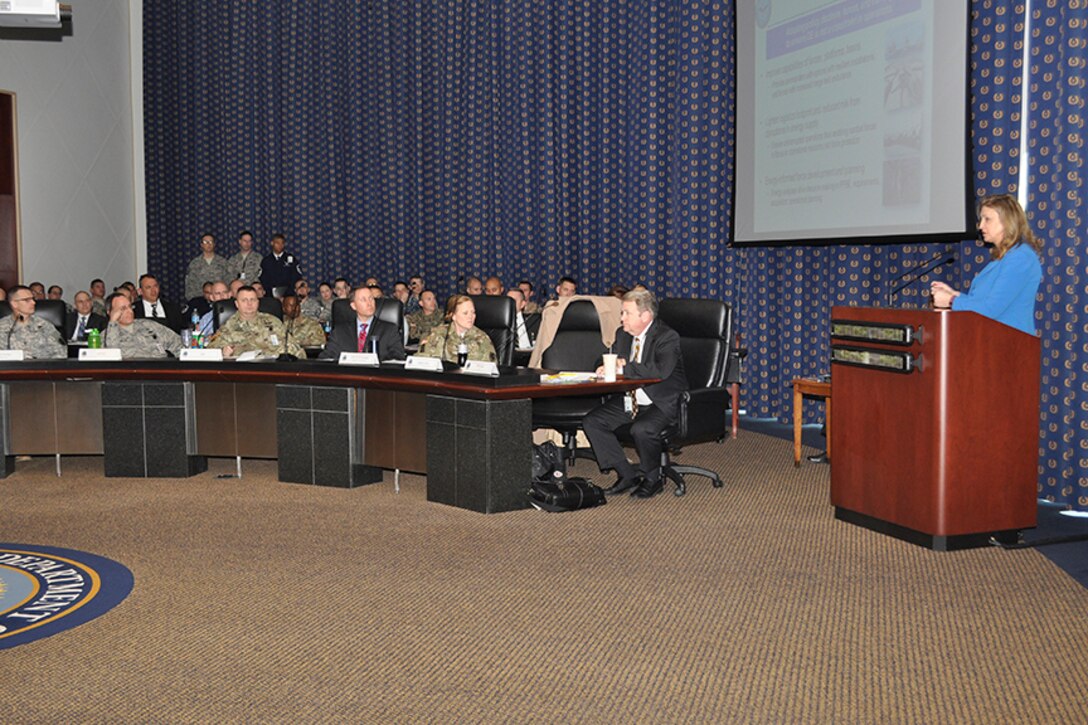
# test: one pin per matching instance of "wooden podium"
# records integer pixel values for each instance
(935, 426)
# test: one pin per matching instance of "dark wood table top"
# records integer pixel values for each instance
(511, 384)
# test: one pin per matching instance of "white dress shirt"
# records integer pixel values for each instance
(639, 343)
(523, 333)
(151, 308)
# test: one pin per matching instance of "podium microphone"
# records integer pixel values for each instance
(914, 274)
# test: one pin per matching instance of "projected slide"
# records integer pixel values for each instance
(851, 119)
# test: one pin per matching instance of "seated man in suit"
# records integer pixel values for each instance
(23, 330)
(84, 319)
(526, 325)
(141, 338)
(368, 334)
(153, 307)
(647, 348)
(219, 292)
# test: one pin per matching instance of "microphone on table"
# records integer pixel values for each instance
(286, 356)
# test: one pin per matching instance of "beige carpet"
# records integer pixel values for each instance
(257, 601)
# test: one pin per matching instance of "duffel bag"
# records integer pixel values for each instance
(565, 494)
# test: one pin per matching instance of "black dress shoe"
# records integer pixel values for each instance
(622, 484)
(648, 489)
(820, 458)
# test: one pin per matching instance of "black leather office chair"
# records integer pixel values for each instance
(495, 315)
(577, 346)
(225, 309)
(5, 309)
(280, 290)
(706, 343)
(53, 311)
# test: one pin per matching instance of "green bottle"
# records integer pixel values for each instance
(94, 339)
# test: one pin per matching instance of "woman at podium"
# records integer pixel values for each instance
(1005, 288)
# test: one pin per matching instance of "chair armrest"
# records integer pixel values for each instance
(682, 415)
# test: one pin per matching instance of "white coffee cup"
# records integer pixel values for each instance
(609, 367)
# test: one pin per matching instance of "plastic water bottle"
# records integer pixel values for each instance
(94, 339)
(195, 338)
(462, 355)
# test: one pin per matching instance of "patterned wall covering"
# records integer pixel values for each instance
(1056, 153)
(591, 138)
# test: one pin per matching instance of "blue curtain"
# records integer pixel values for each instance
(1056, 156)
(527, 140)
(590, 138)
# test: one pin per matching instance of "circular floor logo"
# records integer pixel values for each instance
(45, 590)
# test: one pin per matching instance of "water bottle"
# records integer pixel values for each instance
(328, 327)
(462, 355)
(94, 339)
(196, 340)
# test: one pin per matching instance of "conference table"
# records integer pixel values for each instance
(325, 424)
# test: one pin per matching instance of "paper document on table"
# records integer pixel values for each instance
(568, 378)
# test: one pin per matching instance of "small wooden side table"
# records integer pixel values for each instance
(815, 388)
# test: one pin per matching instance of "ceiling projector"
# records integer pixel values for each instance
(33, 13)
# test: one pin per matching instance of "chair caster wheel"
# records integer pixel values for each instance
(679, 492)
(718, 484)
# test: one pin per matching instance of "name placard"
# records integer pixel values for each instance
(365, 359)
(481, 367)
(101, 354)
(197, 354)
(416, 362)
(11, 356)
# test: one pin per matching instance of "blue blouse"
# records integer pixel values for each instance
(1005, 289)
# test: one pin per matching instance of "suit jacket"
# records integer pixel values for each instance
(661, 358)
(98, 322)
(345, 338)
(174, 319)
(532, 324)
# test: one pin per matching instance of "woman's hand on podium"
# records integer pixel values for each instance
(942, 295)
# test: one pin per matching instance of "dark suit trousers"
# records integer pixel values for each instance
(601, 425)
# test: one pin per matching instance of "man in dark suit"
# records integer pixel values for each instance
(279, 268)
(526, 327)
(82, 320)
(368, 334)
(647, 348)
(153, 307)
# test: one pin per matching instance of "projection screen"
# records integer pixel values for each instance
(852, 122)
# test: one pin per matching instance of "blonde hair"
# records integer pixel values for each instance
(452, 303)
(1015, 222)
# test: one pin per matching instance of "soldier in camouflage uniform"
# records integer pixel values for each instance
(427, 318)
(141, 338)
(306, 331)
(445, 339)
(22, 330)
(309, 305)
(98, 297)
(246, 265)
(250, 330)
(207, 267)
